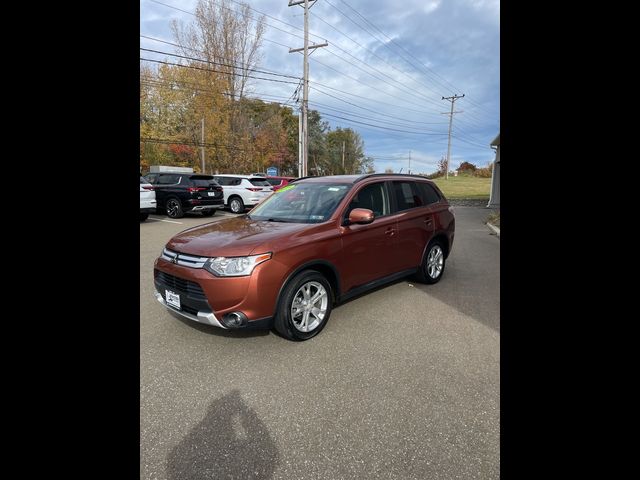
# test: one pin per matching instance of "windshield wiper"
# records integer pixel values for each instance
(276, 220)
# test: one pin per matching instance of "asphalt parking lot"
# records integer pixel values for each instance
(403, 383)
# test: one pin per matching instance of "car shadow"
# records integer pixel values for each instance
(230, 442)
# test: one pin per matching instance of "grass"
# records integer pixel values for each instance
(457, 188)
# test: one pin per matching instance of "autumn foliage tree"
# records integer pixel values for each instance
(209, 85)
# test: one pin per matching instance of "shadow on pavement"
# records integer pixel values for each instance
(230, 442)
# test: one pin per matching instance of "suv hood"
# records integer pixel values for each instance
(233, 237)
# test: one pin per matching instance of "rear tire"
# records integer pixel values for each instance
(209, 213)
(304, 307)
(432, 267)
(236, 205)
(143, 216)
(174, 208)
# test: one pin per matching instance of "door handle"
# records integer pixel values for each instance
(390, 231)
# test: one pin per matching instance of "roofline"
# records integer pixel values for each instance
(369, 175)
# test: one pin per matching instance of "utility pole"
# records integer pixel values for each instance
(343, 171)
(202, 147)
(452, 100)
(304, 110)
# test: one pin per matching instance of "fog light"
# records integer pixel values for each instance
(235, 320)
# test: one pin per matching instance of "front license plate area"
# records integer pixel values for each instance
(172, 299)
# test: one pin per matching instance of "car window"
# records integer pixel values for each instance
(259, 182)
(143, 179)
(202, 182)
(152, 177)
(169, 179)
(274, 181)
(405, 196)
(427, 193)
(234, 181)
(372, 197)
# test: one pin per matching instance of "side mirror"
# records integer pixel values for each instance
(361, 216)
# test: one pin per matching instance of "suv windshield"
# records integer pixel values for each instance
(301, 203)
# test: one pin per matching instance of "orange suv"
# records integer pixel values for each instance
(311, 245)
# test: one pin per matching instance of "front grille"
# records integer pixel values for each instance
(192, 289)
(183, 259)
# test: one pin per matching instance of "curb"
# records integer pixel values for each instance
(494, 229)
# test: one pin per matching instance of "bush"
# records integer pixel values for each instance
(483, 172)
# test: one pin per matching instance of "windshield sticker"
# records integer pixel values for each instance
(316, 217)
(333, 189)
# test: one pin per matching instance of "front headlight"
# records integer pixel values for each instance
(235, 266)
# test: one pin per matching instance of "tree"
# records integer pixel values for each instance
(466, 167)
(388, 170)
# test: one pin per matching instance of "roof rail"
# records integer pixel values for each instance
(369, 175)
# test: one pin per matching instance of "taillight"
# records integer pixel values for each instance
(254, 189)
(148, 188)
(197, 189)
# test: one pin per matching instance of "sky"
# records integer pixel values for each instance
(386, 68)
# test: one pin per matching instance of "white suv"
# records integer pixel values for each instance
(147, 199)
(242, 191)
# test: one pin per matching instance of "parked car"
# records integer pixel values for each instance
(305, 249)
(179, 193)
(147, 199)
(242, 191)
(278, 182)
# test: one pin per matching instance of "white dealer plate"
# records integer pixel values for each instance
(211, 194)
(172, 299)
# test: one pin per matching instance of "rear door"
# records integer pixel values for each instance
(415, 221)
(168, 184)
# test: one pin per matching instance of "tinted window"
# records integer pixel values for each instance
(273, 181)
(143, 180)
(201, 180)
(259, 182)
(405, 196)
(168, 179)
(152, 177)
(223, 180)
(372, 197)
(428, 193)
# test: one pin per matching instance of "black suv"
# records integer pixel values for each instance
(180, 193)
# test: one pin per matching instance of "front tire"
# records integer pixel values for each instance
(305, 306)
(174, 208)
(143, 216)
(236, 205)
(209, 213)
(432, 267)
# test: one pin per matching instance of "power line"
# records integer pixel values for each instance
(427, 70)
(234, 66)
(212, 70)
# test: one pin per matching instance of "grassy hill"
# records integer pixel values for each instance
(460, 187)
